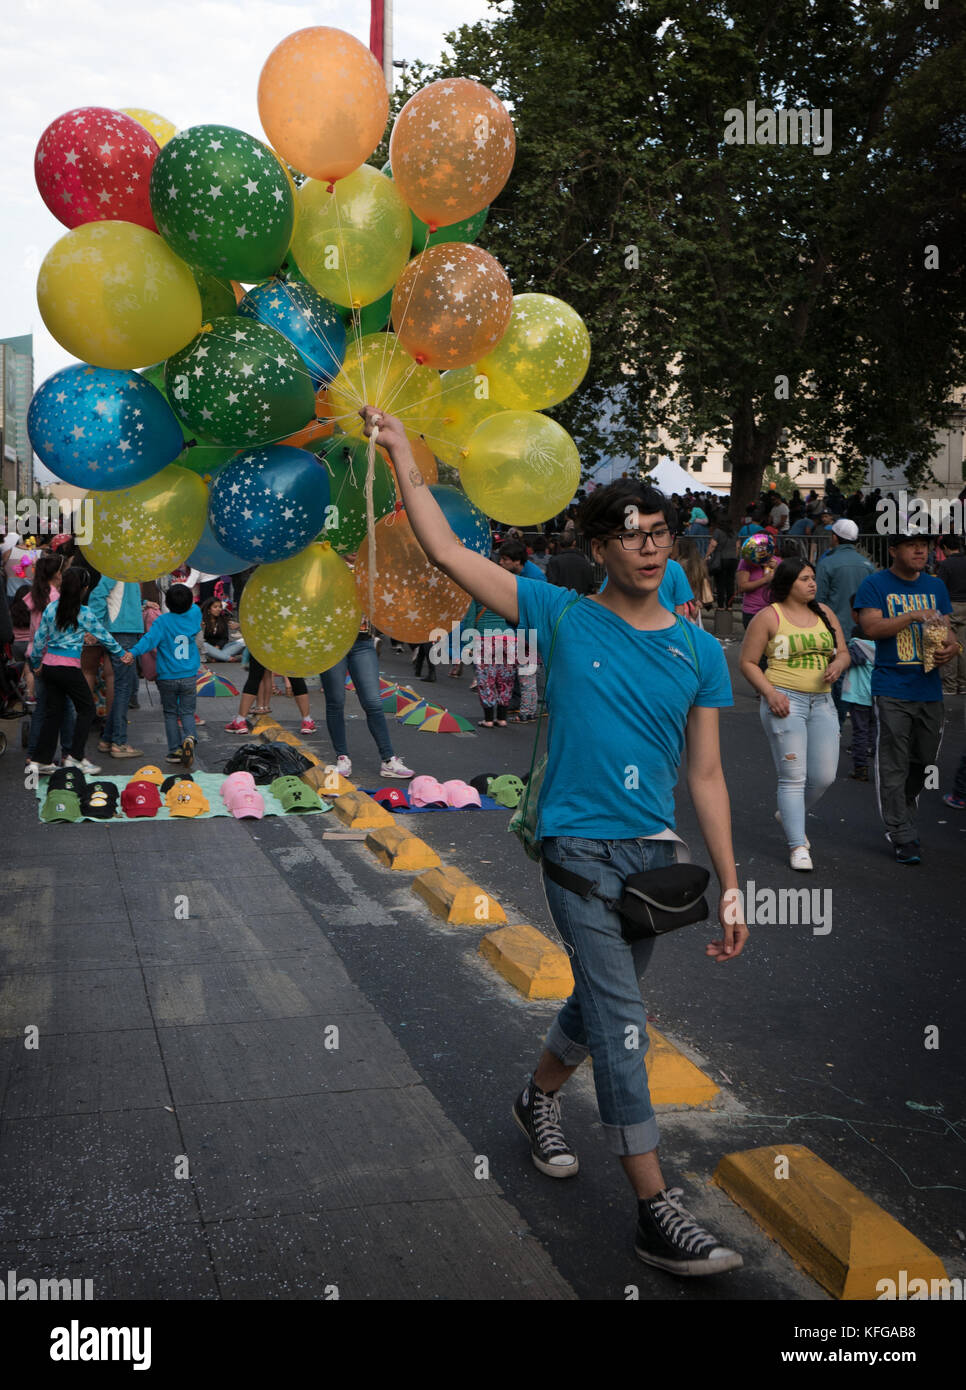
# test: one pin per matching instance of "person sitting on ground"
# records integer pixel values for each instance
(216, 638)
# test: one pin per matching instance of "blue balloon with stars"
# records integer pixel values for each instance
(99, 428)
(268, 504)
(467, 521)
(211, 558)
(312, 325)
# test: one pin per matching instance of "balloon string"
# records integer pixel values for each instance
(371, 519)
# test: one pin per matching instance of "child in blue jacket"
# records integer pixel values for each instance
(175, 638)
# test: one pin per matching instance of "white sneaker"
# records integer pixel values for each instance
(42, 769)
(395, 767)
(778, 817)
(800, 858)
(89, 769)
(343, 765)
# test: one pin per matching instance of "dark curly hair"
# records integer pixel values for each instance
(605, 510)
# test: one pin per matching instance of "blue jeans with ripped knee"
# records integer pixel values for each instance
(805, 747)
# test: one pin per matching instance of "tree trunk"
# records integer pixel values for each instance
(751, 451)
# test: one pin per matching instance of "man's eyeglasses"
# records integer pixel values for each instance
(662, 536)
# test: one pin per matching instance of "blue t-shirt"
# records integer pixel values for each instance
(674, 587)
(532, 571)
(619, 701)
(898, 672)
(804, 526)
(174, 637)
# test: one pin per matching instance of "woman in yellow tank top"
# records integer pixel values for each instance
(806, 654)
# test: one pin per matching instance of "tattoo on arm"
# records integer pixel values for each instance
(415, 477)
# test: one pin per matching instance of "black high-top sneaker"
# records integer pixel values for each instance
(668, 1236)
(538, 1114)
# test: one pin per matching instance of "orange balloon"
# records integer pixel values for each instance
(238, 291)
(451, 150)
(448, 302)
(410, 596)
(310, 434)
(323, 102)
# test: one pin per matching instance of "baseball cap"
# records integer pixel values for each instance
(393, 798)
(99, 801)
(426, 791)
(461, 794)
(845, 530)
(172, 781)
(482, 782)
(506, 791)
(67, 779)
(246, 805)
(186, 799)
(237, 781)
(62, 804)
(140, 799)
(295, 795)
(150, 773)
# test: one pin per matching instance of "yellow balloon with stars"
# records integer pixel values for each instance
(378, 371)
(465, 402)
(139, 533)
(542, 357)
(521, 467)
(300, 616)
(155, 125)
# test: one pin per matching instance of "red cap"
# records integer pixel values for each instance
(140, 799)
(392, 798)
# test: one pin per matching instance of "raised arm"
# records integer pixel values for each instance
(477, 574)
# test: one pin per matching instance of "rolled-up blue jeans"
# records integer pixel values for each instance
(805, 747)
(178, 698)
(605, 1016)
(125, 683)
(362, 663)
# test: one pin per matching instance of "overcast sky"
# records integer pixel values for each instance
(192, 61)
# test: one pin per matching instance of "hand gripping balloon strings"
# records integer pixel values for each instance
(371, 517)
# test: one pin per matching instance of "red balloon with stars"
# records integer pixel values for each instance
(94, 165)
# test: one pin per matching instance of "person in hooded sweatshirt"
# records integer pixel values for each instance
(174, 636)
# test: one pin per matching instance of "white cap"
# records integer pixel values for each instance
(846, 530)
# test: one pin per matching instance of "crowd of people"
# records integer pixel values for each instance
(623, 579)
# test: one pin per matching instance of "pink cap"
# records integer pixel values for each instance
(238, 781)
(461, 794)
(243, 804)
(426, 791)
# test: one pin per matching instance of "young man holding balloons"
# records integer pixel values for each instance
(614, 652)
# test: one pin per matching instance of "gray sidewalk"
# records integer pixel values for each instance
(204, 1047)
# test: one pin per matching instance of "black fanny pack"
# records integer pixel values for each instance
(652, 903)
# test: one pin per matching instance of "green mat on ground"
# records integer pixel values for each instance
(210, 784)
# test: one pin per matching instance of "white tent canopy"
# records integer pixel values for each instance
(667, 475)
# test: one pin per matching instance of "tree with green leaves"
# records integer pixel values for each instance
(739, 293)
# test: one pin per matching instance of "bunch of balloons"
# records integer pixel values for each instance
(234, 302)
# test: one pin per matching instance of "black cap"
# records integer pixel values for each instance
(169, 782)
(67, 779)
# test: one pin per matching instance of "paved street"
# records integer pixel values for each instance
(183, 1130)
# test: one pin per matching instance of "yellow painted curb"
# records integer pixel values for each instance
(671, 1078)
(397, 849)
(839, 1236)
(324, 778)
(360, 812)
(265, 727)
(457, 899)
(531, 963)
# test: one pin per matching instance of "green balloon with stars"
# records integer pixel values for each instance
(240, 383)
(223, 201)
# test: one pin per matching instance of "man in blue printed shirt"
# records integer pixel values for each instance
(629, 685)
(893, 606)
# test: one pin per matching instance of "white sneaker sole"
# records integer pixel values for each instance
(552, 1170)
(691, 1268)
